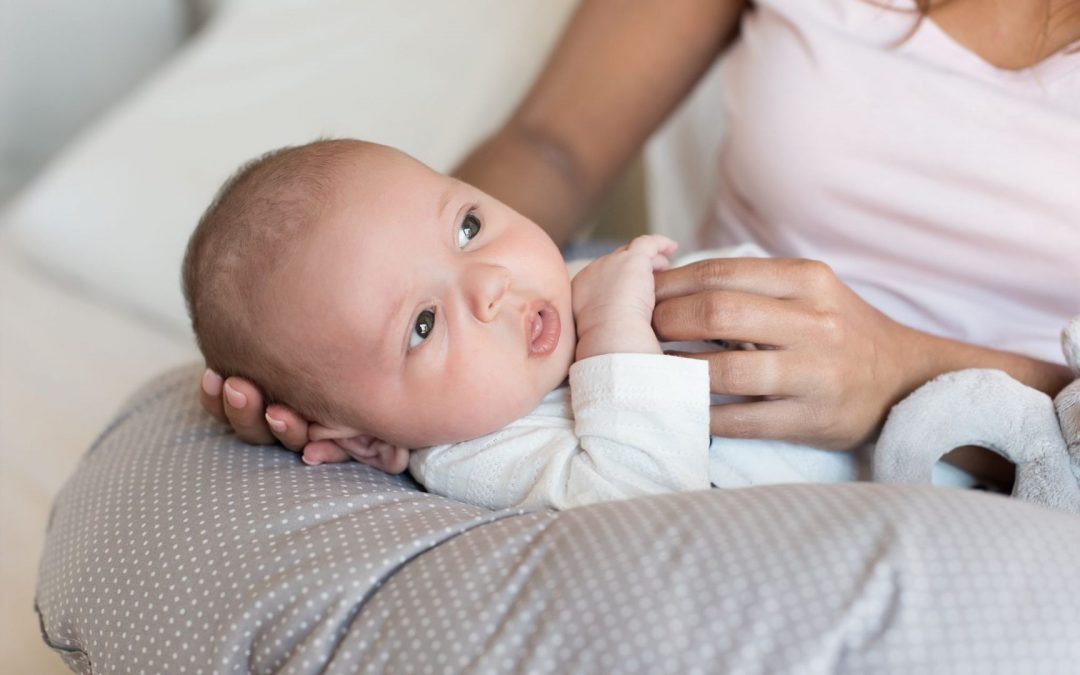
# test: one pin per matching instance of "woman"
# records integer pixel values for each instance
(919, 150)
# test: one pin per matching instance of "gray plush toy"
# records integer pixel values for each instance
(990, 409)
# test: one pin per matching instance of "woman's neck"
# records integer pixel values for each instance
(1009, 34)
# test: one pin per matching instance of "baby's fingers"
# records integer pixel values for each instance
(657, 247)
(653, 245)
(660, 262)
(668, 246)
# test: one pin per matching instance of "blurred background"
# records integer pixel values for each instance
(62, 63)
(118, 121)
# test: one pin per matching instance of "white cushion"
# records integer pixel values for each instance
(114, 212)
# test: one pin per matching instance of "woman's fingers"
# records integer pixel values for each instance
(784, 419)
(244, 411)
(239, 404)
(288, 427)
(773, 277)
(751, 373)
(324, 452)
(729, 315)
(210, 395)
(777, 419)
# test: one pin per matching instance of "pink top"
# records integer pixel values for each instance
(944, 190)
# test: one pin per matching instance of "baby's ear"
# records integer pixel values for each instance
(363, 447)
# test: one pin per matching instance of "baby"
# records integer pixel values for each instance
(404, 310)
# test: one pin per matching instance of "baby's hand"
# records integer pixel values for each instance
(614, 296)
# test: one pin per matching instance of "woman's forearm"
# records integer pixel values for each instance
(617, 72)
(930, 356)
(532, 174)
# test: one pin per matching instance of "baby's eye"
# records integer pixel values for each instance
(425, 323)
(469, 228)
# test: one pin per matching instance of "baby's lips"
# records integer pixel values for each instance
(543, 328)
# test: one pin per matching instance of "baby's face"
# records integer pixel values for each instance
(444, 314)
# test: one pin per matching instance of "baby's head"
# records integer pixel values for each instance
(378, 297)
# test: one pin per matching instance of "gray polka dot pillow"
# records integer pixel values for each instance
(176, 549)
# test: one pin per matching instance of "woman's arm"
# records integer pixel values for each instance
(616, 73)
(936, 355)
(837, 365)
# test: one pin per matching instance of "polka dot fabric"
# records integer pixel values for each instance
(176, 549)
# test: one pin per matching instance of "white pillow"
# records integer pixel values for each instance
(114, 212)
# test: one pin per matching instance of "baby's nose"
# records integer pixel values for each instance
(486, 287)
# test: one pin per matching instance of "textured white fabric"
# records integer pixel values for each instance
(636, 424)
(942, 189)
(626, 425)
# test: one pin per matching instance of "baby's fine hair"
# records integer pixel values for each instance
(253, 224)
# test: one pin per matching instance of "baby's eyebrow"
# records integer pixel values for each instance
(393, 325)
(447, 197)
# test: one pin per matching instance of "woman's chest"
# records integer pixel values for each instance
(819, 117)
(918, 161)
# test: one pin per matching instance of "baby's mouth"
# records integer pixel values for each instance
(542, 330)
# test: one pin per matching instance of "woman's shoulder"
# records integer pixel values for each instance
(879, 21)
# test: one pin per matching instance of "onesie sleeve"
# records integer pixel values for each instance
(640, 425)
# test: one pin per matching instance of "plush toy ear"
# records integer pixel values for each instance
(989, 409)
(1067, 402)
(363, 447)
(1070, 344)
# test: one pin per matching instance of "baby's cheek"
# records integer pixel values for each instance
(504, 404)
(471, 410)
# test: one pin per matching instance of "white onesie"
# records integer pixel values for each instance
(626, 425)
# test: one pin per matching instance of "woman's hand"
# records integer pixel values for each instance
(239, 404)
(835, 367)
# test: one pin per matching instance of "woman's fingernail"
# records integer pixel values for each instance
(276, 425)
(236, 399)
(211, 383)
